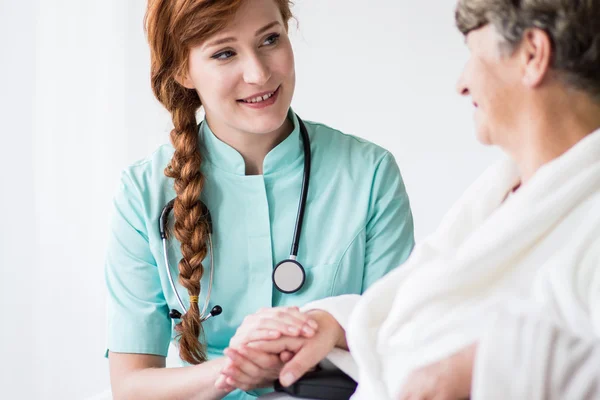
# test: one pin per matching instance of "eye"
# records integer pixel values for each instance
(271, 39)
(223, 55)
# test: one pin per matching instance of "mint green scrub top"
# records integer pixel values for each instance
(358, 226)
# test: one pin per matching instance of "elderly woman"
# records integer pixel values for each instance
(503, 300)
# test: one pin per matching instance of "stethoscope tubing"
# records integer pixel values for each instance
(295, 240)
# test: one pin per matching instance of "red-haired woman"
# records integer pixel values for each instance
(228, 199)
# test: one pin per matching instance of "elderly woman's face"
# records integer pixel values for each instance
(493, 82)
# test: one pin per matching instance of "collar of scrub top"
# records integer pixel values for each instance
(226, 158)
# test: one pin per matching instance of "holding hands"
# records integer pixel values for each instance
(277, 343)
(284, 343)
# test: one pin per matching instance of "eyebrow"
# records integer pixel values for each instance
(231, 39)
(266, 28)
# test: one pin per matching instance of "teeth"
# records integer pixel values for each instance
(260, 98)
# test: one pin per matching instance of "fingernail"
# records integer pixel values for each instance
(308, 330)
(293, 329)
(273, 333)
(313, 324)
(288, 379)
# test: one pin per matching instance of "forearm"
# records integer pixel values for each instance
(194, 382)
(527, 358)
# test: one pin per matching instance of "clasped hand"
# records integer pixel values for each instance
(274, 343)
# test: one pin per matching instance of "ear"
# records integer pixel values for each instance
(536, 53)
(184, 80)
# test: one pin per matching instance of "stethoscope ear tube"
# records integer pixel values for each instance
(164, 219)
(303, 191)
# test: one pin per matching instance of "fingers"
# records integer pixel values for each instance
(293, 316)
(240, 365)
(284, 343)
(286, 356)
(239, 372)
(256, 335)
(264, 361)
(221, 384)
(305, 359)
(289, 321)
(285, 326)
(240, 384)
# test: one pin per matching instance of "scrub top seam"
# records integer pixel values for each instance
(375, 172)
(142, 162)
(337, 269)
(356, 138)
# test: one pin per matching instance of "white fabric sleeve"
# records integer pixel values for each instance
(525, 358)
(340, 307)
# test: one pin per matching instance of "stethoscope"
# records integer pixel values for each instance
(288, 276)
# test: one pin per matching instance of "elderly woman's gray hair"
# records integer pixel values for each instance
(572, 25)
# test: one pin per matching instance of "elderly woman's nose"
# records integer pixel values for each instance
(461, 86)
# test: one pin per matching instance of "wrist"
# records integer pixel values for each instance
(328, 323)
(216, 366)
(466, 361)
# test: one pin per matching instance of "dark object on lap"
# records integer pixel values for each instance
(321, 385)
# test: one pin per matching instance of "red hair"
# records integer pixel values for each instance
(173, 27)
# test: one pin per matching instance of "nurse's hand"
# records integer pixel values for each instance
(271, 323)
(449, 379)
(307, 352)
(247, 368)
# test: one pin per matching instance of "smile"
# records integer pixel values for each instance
(258, 99)
(261, 100)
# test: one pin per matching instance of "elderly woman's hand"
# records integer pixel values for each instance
(247, 368)
(449, 379)
(272, 323)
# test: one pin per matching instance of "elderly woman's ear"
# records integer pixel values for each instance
(536, 56)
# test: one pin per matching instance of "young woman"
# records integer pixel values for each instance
(229, 199)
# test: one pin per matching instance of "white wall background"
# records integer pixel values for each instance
(76, 107)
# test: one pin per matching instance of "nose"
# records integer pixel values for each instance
(256, 71)
(461, 85)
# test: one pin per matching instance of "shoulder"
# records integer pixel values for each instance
(143, 187)
(148, 173)
(347, 147)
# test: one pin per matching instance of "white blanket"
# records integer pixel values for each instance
(537, 251)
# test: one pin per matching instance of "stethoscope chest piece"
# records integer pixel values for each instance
(289, 276)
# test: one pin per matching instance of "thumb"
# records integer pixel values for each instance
(303, 361)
